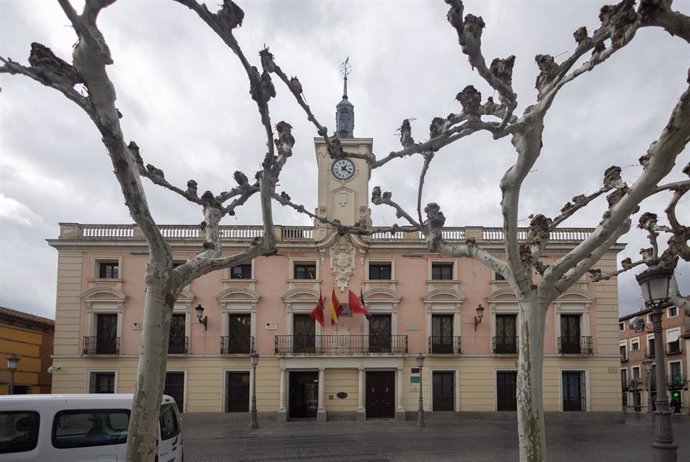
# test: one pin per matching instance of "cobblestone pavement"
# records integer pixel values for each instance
(217, 437)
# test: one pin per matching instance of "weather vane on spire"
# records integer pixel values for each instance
(346, 69)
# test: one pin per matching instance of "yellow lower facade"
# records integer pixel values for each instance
(342, 381)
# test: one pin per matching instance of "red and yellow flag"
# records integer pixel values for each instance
(336, 308)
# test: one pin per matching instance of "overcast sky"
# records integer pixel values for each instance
(184, 99)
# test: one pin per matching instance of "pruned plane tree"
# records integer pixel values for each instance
(85, 81)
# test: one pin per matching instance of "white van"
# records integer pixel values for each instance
(79, 428)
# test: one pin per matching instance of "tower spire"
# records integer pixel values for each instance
(345, 111)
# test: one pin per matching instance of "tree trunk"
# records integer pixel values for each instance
(153, 358)
(530, 409)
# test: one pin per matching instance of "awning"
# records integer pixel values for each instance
(672, 336)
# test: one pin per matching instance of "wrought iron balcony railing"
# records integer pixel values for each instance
(340, 344)
(178, 346)
(505, 344)
(444, 345)
(101, 346)
(575, 345)
(676, 381)
(236, 345)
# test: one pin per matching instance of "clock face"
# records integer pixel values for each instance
(343, 169)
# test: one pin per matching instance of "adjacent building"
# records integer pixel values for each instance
(30, 339)
(638, 361)
(454, 311)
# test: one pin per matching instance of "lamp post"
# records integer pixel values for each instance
(12, 364)
(654, 282)
(650, 405)
(420, 408)
(253, 424)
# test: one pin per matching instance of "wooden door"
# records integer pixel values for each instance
(442, 333)
(443, 390)
(380, 394)
(570, 333)
(237, 392)
(573, 391)
(506, 390)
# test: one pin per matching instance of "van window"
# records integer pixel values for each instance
(81, 428)
(18, 431)
(168, 422)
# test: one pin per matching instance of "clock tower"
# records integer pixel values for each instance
(343, 184)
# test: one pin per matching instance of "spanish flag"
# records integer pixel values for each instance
(336, 308)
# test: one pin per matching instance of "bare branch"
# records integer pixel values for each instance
(379, 198)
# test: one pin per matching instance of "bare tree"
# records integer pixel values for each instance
(535, 283)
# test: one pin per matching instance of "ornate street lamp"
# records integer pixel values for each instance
(254, 358)
(420, 408)
(200, 316)
(654, 283)
(478, 318)
(12, 365)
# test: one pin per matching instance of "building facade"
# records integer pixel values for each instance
(29, 338)
(638, 382)
(359, 367)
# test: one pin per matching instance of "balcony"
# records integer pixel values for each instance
(575, 345)
(505, 345)
(673, 348)
(178, 346)
(444, 345)
(340, 344)
(236, 345)
(101, 346)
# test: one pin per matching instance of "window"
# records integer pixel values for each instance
(635, 344)
(442, 271)
(305, 271)
(380, 271)
(18, 431)
(80, 428)
(239, 340)
(621, 326)
(624, 379)
(108, 269)
(106, 341)
(168, 422)
(570, 334)
(506, 390)
(650, 347)
(673, 341)
(624, 353)
(673, 311)
(174, 387)
(505, 340)
(675, 374)
(245, 272)
(102, 382)
(573, 385)
(236, 391)
(441, 334)
(498, 277)
(636, 372)
(304, 329)
(177, 342)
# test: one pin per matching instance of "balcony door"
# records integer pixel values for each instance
(106, 334)
(505, 333)
(177, 343)
(239, 330)
(380, 333)
(304, 331)
(442, 333)
(570, 334)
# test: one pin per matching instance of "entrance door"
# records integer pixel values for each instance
(443, 391)
(237, 392)
(380, 333)
(380, 395)
(304, 394)
(174, 386)
(506, 390)
(573, 391)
